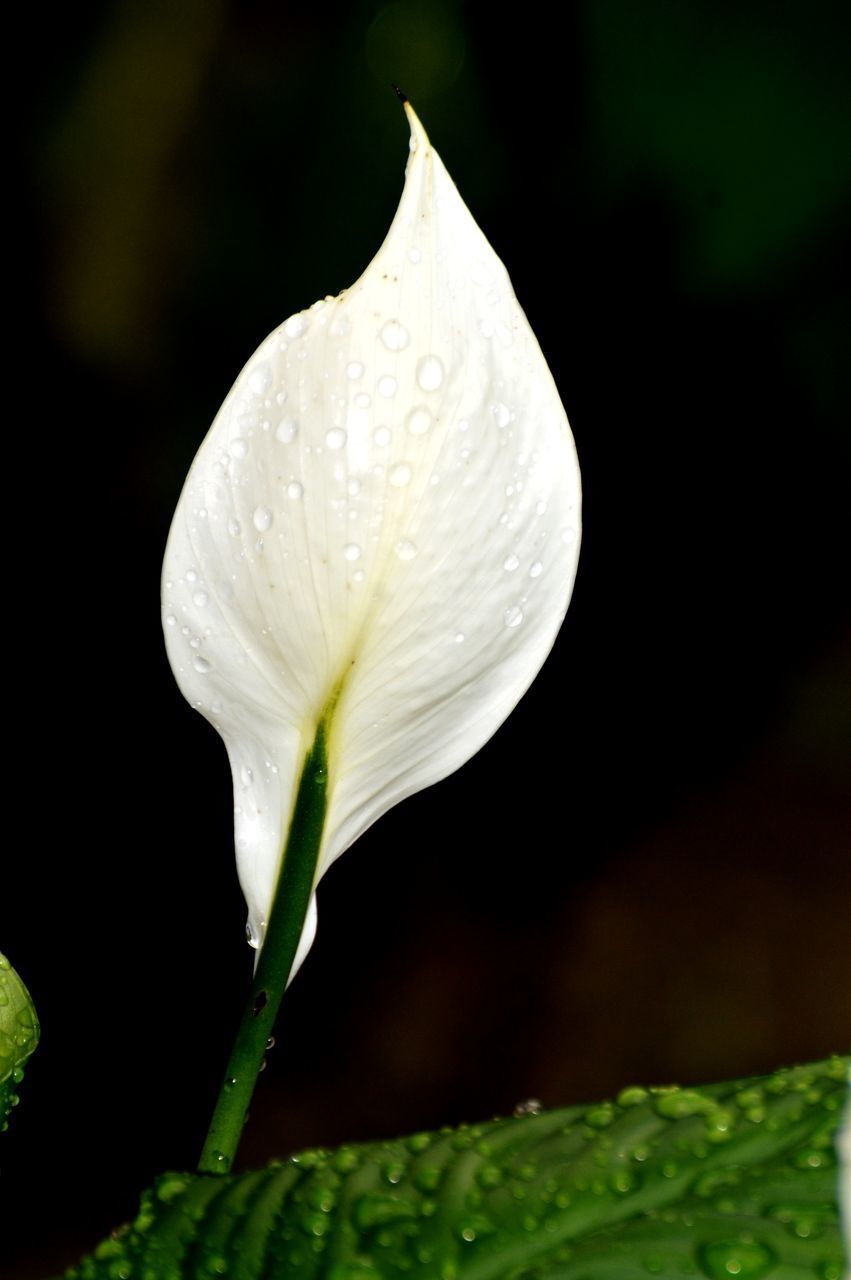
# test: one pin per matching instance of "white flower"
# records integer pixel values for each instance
(382, 528)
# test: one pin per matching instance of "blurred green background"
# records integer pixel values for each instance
(646, 874)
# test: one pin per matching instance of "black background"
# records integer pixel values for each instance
(645, 875)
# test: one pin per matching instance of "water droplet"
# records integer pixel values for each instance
(234, 527)
(191, 575)
(419, 1142)
(250, 936)
(489, 1176)
(400, 475)
(246, 777)
(387, 386)
(120, 1269)
(260, 379)
(345, 1160)
(200, 599)
(376, 1210)
(510, 563)
(238, 448)
(536, 569)
(460, 637)
(395, 336)
(170, 620)
(681, 1103)
(335, 438)
(294, 489)
(633, 1094)
(529, 1107)
(502, 413)
(262, 519)
(201, 665)
(405, 549)
(513, 616)
(363, 400)
(296, 326)
(170, 1186)
(813, 1160)
(286, 430)
(382, 436)
(414, 255)
(749, 1261)
(428, 1178)
(352, 551)
(354, 370)
(419, 420)
(568, 535)
(429, 373)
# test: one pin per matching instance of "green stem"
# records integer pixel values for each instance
(283, 931)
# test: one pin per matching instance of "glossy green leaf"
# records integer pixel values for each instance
(737, 1179)
(19, 1031)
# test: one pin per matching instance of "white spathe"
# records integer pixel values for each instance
(387, 505)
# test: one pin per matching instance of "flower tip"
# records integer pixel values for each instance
(419, 137)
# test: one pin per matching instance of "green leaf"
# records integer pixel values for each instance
(19, 1031)
(730, 1180)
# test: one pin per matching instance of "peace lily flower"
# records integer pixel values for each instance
(378, 536)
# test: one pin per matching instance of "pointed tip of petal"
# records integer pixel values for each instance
(419, 137)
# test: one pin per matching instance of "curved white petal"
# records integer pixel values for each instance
(384, 515)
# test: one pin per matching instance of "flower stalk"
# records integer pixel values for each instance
(275, 961)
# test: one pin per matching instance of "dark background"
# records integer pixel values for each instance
(645, 875)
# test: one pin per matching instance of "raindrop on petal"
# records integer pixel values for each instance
(286, 431)
(419, 421)
(429, 373)
(395, 336)
(296, 326)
